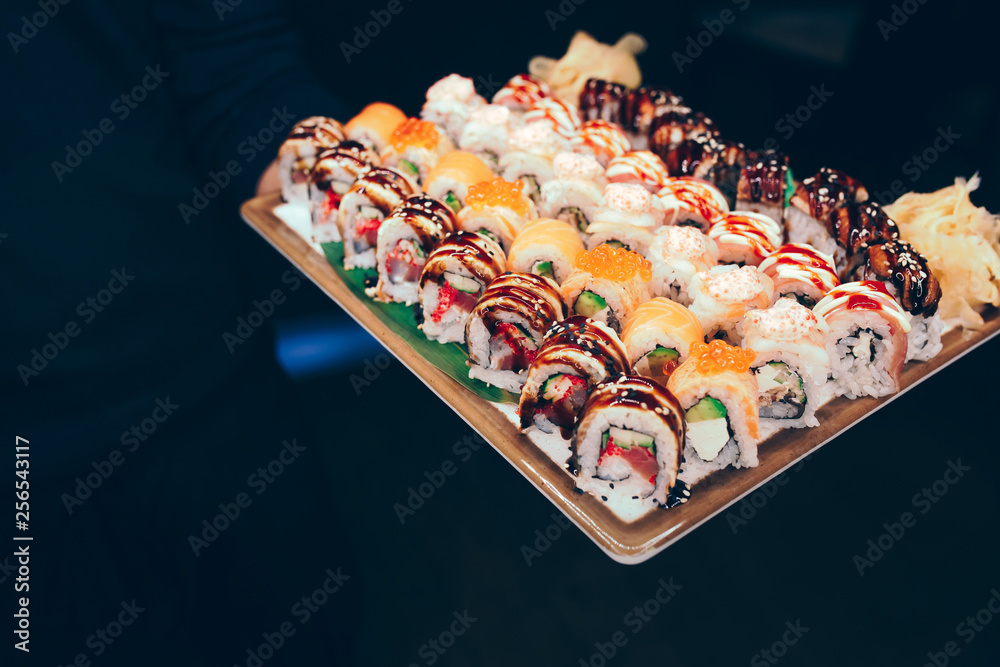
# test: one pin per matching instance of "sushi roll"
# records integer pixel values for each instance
(676, 124)
(507, 325)
(812, 203)
(601, 100)
(334, 173)
(638, 110)
(907, 275)
(297, 154)
(711, 158)
(529, 158)
(486, 134)
(450, 178)
(676, 255)
(454, 277)
(607, 285)
(521, 92)
(600, 139)
(546, 248)
(658, 338)
(801, 272)
(854, 228)
(692, 202)
(374, 126)
(498, 209)
(627, 220)
(639, 167)
(562, 117)
(449, 103)
(745, 238)
(791, 363)
(415, 147)
(575, 192)
(405, 239)
(866, 340)
(576, 354)
(763, 183)
(721, 296)
(719, 396)
(631, 432)
(369, 201)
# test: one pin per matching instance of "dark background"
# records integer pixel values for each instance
(366, 448)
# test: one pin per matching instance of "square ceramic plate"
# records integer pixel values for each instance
(624, 541)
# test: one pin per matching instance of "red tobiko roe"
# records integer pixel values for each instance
(446, 297)
(332, 202)
(515, 341)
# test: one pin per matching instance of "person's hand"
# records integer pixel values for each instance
(269, 181)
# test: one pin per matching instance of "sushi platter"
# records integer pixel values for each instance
(645, 318)
(626, 542)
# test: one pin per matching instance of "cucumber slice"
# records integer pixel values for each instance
(409, 167)
(627, 439)
(615, 244)
(589, 304)
(488, 234)
(706, 409)
(543, 269)
(462, 283)
(662, 355)
(556, 387)
(452, 201)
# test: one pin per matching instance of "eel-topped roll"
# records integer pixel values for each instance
(909, 278)
(719, 395)
(692, 202)
(763, 184)
(658, 337)
(576, 354)
(405, 239)
(866, 340)
(372, 197)
(856, 227)
(547, 248)
(630, 432)
(814, 200)
(801, 272)
(791, 363)
(415, 147)
(721, 296)
(454, 276)
(297, 154)
(607, 285)
(332, 176)
(507, 325)
(677, 255)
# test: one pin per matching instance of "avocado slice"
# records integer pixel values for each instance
(615, 244)
(462, 283)
(706, 409)
(488, 234)
(544, 269)
(452, 201)
(589, 304)
(627, 439)
(551, 388)
(662, 355)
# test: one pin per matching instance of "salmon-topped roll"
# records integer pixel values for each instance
(692, 202)
(658, 337)
(369, 201)
(405, 239)
(507, 325)
(373, 127)
(721, 296)
(334, 173)
(607, 285)
(498, 209)
(641, 167)
(745, 238)
(801, 272)
(297, 154)
(415, 147)
(451, 177)
(545, 247)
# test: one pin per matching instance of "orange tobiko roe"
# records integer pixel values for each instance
(719, 356)
(605, 261)
(499, 192)
(414, 132)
